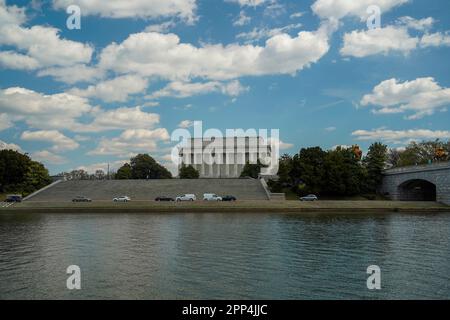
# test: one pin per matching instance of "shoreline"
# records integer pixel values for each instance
(151, 207)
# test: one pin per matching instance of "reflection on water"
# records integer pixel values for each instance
(229, 256)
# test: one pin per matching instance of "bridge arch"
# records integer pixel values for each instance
(417, 190)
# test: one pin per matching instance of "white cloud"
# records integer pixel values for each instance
(41, 110)
(5, 122)
(73, 74)
(9, 146)
(121, 118)
(115, 90)
(162, 55)
(186, 124)
(249, 3)
(60, 141)
(437, 39)
(258, 34)
(378, 41)
(184, 9)
(161, 27)
(400, 136)
(42, 45)
(297, 15)
(422, 97)
(14, 60)
(241, 20)
(330, 129)
(417, 24)
(180, 89)
(131, 142)
(46, 156)
(338, 9)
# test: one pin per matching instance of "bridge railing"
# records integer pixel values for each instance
(422, 167)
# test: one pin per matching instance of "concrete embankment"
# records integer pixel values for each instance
(255, 206)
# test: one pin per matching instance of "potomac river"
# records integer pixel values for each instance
(224, 255)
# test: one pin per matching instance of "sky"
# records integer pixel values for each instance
(323, 72)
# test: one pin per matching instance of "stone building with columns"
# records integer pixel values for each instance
(223, 157)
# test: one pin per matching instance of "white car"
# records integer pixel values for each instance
(186, 197)
(211, 197)
(122, 199)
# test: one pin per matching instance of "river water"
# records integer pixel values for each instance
(224, 256)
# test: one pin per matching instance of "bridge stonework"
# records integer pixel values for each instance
(438, 174)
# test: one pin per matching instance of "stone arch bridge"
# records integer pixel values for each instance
(422, 183)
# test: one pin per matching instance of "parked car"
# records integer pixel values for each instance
(229, 198)
(81, 199)
(309, 197)
(13, 198)
(186, 197)
(122, 199)
(164, 198)
(211, 197)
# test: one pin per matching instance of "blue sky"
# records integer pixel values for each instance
(137, 70)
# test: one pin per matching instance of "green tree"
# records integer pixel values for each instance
(37, 177)
(375, 162)
(124, 172)
(188, 172)
(307, 171)
(252, 170)
(144, 166)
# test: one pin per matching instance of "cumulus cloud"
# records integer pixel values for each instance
(131, 142)
(417, 24)
(115, 90)
(59, 141)
(41, 110)
(14, 60)
(257, 34)
(121, 118)
(183, 9)
(5, 122)
(400, 136)
(46, 156)
(73, 74)
(338, 9)
(113, 166)
(378, 41)
(179, 89)
(42, 46)
(186, 124)
(437, 39)
(421, 97)
(163, 55)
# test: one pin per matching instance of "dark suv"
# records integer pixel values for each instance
(14, 198)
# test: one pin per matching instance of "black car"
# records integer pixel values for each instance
(14, 198)
(81, 199)
(163, 198)
(229, 198)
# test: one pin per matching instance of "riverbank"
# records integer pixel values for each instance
(251, 206)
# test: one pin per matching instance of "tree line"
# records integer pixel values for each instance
(20, 174)
(344, 171)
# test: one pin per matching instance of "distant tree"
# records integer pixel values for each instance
(252, 170)
(36, 178)
(393, 157)
(307, 171)
(144, 166)
(284, 171)
(375, 162)
(124, 172)
(422, 153)
(99, 175)
(188, 172)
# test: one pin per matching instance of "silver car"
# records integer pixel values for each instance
(309, 197)
(122, 199)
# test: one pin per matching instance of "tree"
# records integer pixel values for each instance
(124, 172)
(18, 173)
(284, 170)
(422, 153)
(144, 166)
(252, 170)
(307, 171)
(188, 172)
(375, 162)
